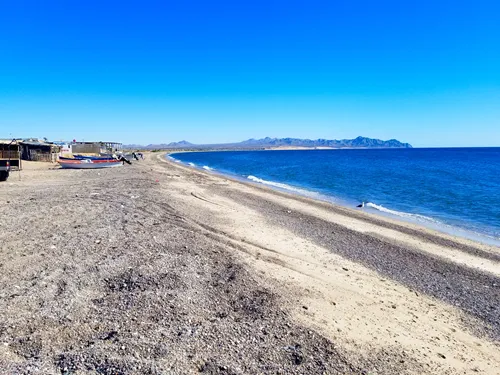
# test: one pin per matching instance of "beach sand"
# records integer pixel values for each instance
(159, 268)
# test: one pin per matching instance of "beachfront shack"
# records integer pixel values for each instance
(39, 150)
(10, 150)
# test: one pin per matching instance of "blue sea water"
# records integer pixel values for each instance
(455, 190)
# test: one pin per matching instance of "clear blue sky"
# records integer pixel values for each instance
(424, 72)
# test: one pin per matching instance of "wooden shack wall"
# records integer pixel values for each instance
(43, 153)
(9, 154)
(86, 148)
(12, 153)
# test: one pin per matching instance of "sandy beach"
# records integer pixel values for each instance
(158, 268)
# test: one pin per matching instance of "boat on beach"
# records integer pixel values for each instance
(82, 157)
(88, 163)
(100, 157)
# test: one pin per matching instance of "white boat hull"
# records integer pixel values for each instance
(89, 164)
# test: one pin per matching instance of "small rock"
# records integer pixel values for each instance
(305, 307)
(393, 306)
(98, 241)
(441, 355)
(345, 269)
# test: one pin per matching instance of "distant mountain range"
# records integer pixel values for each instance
(264, 143)
(297, 142)
(180, 144)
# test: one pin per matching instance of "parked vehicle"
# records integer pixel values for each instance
(4, 169)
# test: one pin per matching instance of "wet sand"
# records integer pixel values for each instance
(159, 268)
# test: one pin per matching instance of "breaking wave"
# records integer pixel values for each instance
(283, 186)
(207, 168)
(192, 164)
(402, 214)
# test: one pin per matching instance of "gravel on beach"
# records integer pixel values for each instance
(107, 272)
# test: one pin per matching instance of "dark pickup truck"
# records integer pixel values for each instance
(4, 169)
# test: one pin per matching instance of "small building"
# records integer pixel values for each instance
(94, 147)
(37, 150)
(64, 148)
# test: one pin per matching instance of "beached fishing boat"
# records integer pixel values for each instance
(82, 157)
(88, 163)
(100, 157)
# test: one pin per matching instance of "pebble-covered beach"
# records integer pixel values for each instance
(158, 268)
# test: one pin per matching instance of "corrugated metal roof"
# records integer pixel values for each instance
(37, 144)
(8, 141)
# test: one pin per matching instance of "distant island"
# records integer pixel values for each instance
(277, 143)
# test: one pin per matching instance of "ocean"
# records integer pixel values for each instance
(454, 190)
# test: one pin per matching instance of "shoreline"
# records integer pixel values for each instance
(426, 262)
(437, 227)
(163, 268)
(389, 222)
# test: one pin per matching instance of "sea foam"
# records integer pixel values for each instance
(284, 186)
(402, 214)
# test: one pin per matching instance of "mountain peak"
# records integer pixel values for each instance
(180, 144)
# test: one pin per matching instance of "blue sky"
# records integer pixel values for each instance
(424, 72)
